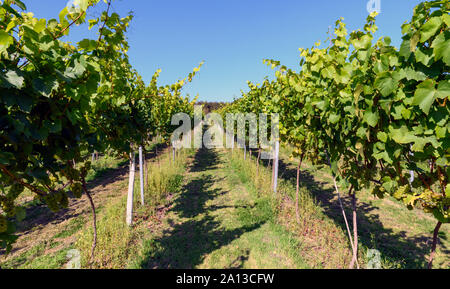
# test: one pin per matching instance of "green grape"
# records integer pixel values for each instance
(8, 206)
(53, 179)
(88, 165)
(63, 200)
(15, 190)
(52, 202)
(401, 192)
(77, 190)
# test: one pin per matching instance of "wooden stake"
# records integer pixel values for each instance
(131, 189)
(141, 175)
(297, 213)
(276, 164)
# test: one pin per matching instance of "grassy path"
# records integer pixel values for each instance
(218, 222)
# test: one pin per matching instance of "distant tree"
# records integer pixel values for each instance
(209, 107)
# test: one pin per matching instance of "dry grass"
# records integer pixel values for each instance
(45, 237)
(403, 237)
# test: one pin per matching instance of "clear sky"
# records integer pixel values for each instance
(232, 36)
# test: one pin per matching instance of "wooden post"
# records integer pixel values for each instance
(131, 189)
(411, 180)
(257, 167)
(141, 174)
(342, 205)
(276, 161)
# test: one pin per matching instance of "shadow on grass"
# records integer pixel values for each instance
(184, 245)
(408, 251)
(39, 215)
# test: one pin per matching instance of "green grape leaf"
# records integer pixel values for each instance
(363, 43)
(88, 44)
(40, 26)
(402, 135)
(405, 49)
(382, 136)
(8, 8)
(424, 57)
(411, 74)
(440, 217)
(385, 83)
(371, 118)
(5, 40)
(20, 4)
(84, 4)
(12, 79)
(414, 41)
(443, 90)
(425, 95)
(430, 28)
(441, 47)
(63, 14)
(420, 143)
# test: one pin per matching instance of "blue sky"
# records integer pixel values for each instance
(231, 36)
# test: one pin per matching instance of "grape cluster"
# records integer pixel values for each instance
(431, 199)
(401, 192)
(15, 190)
(57, 201)
(77, 189)
(71, 173)
(7, 205)
(51, 202)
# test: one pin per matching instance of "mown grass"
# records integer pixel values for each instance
(264, 210)
(219, 222)
(321, 242)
